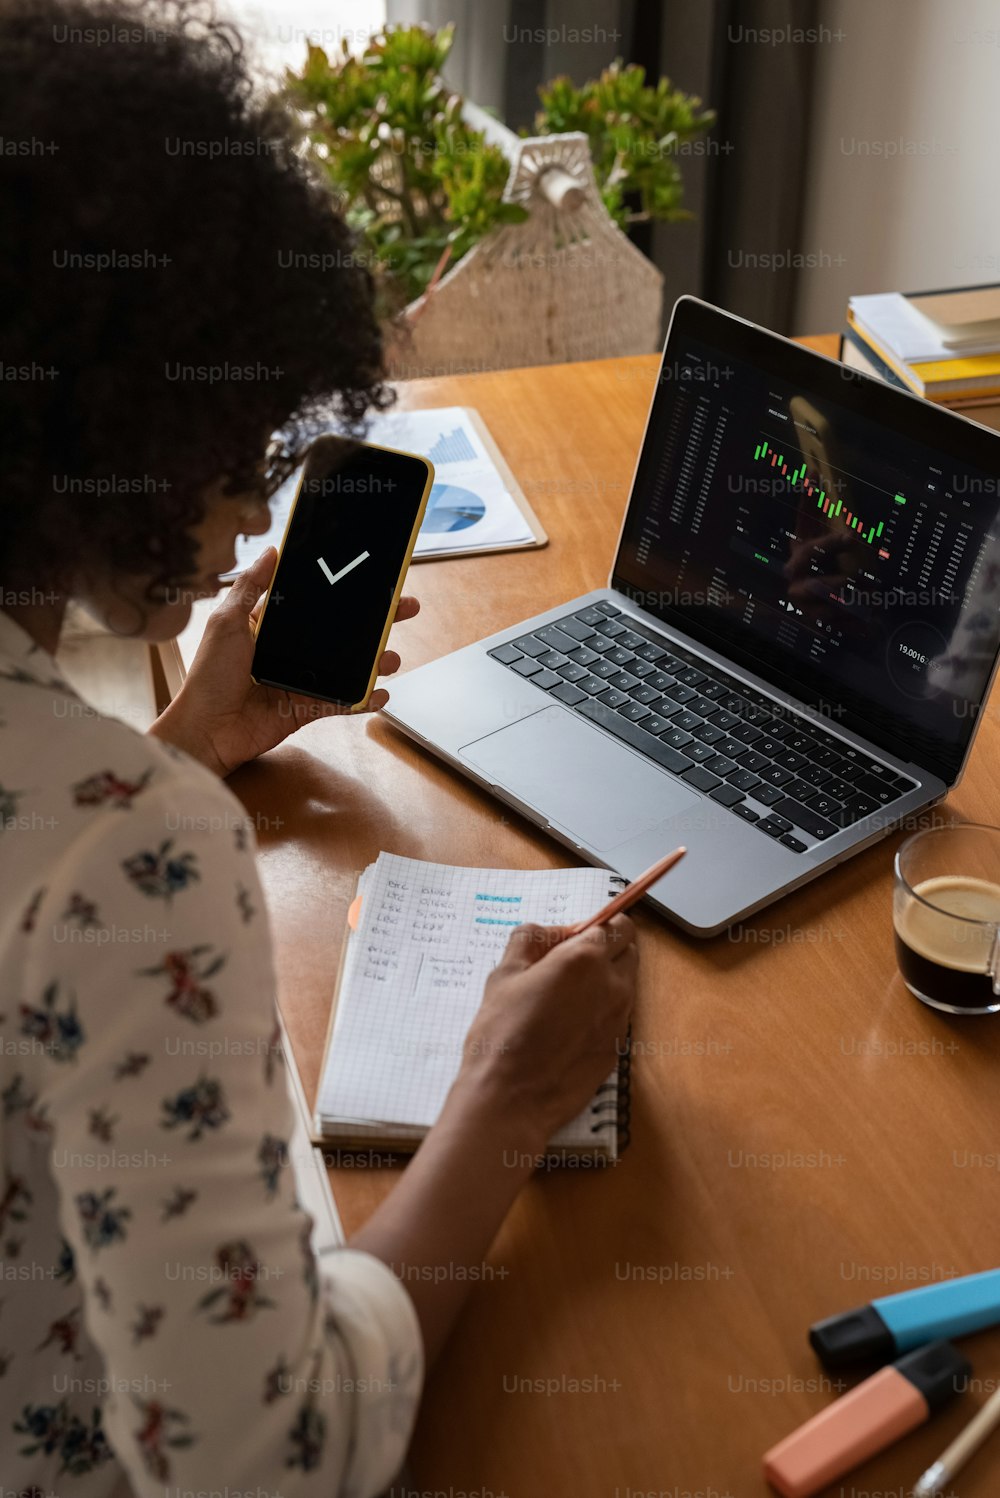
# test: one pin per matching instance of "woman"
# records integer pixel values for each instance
(167, 1324)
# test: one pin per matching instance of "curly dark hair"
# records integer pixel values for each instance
(175, 287)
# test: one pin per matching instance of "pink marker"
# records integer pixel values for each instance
(894, 1401)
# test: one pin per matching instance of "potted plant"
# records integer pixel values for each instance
(422, 187)
(635, 133)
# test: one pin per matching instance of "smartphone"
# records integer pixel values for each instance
(343, 559)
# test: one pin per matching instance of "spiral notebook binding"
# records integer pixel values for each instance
(620, 1100)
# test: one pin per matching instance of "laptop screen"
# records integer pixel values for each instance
(839, 538)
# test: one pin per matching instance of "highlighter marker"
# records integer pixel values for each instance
(894, 1323)
(871, 1417)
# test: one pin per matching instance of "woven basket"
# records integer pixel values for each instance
(566, 284)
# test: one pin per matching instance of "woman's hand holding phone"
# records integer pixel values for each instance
(350, 534)
(221, 716)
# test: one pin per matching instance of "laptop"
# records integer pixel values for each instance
(793, 650)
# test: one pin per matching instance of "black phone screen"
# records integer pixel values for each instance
(340, 562)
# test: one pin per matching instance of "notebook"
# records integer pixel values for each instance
(918, 335)
(856, 354)
(421, 941)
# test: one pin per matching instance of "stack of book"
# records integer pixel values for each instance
(943, 345)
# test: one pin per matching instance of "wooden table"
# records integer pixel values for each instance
(805, 1135)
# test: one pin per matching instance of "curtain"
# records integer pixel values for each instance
(761, 84)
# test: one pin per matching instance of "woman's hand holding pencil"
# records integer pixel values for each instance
(556, 1011)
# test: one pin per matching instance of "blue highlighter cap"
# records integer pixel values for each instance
(879, 1332)
(859, 1336)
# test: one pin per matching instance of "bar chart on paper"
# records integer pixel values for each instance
(453, 447)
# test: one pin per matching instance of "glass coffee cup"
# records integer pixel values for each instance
(946, 916)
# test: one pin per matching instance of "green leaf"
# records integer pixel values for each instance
(633, 130)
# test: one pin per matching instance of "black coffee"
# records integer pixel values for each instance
(944, 946)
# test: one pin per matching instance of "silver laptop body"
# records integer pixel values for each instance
(760, 620)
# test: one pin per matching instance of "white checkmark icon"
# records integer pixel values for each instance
(334, 577)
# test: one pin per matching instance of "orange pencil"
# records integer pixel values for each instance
(628, 897)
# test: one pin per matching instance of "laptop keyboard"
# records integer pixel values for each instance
(769, 765)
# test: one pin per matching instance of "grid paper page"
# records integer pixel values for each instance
(428, 936)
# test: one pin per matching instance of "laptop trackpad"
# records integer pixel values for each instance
(577, 778)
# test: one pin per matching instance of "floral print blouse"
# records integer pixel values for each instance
(164, 1323)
